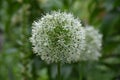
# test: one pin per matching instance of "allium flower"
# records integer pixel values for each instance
(58, 37)
(93, 44)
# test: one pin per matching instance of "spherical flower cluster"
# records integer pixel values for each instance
(58, 37)
(93, 44)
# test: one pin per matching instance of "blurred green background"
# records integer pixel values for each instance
(17, 61)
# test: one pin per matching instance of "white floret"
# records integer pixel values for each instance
(58, 37)
(93, 44)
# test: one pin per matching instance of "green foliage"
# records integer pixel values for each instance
(17, 62)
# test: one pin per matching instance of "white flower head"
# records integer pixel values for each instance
(93, 44)
(58, 37)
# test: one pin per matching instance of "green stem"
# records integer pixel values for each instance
(59, 75)
(49, 72)
(80, 71)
